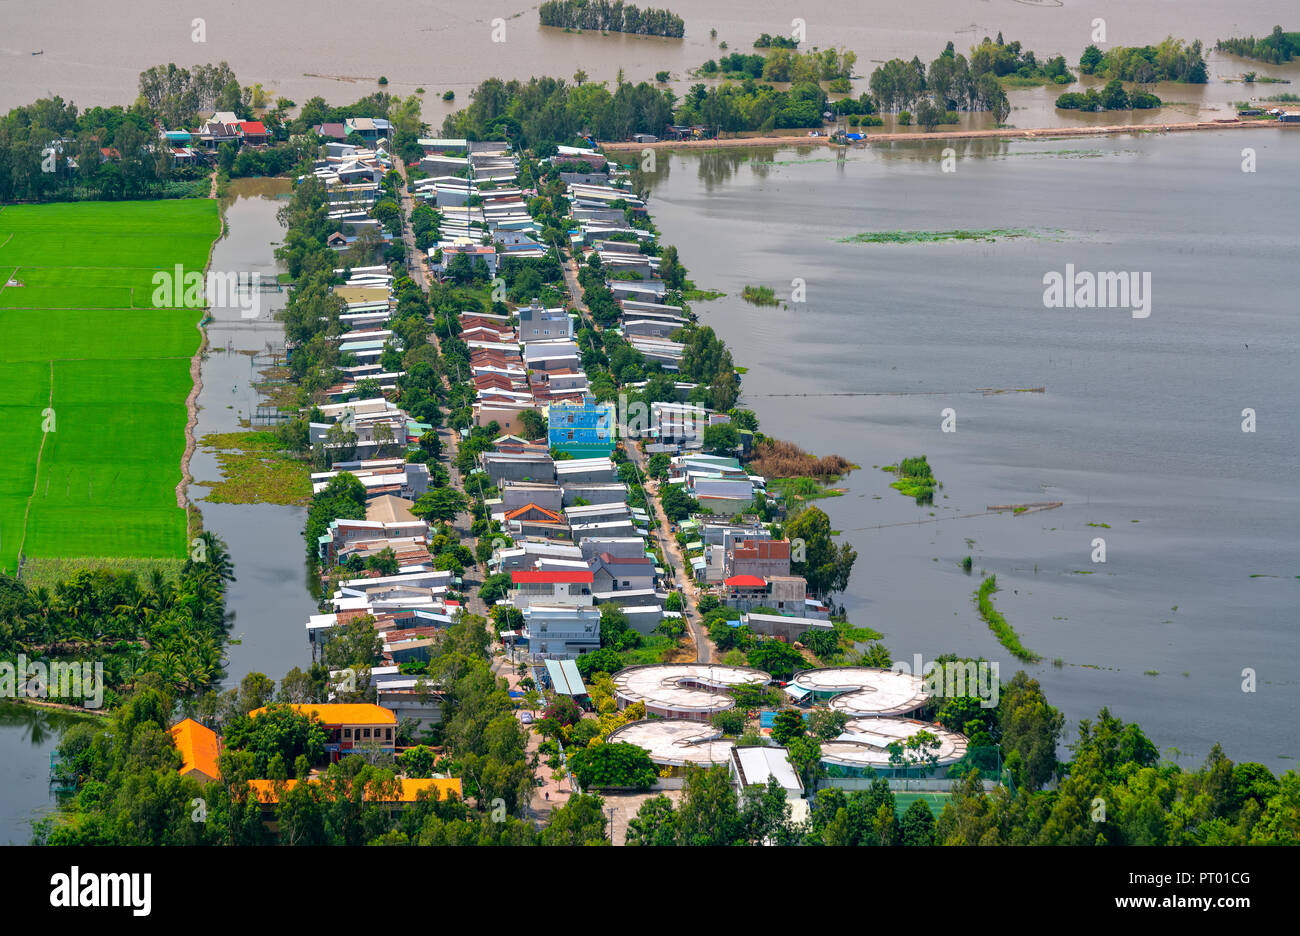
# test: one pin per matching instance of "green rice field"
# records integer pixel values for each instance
(85, 355)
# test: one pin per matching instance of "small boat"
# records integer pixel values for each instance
(42, 52)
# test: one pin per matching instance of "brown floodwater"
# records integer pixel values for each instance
(92, 54)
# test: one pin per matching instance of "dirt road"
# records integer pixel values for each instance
(1005, 133)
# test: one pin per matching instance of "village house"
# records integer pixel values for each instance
(539, 324)
(787, 594)
(613, 573)
(441, 257)
(350, 726)
(509, 466)
(594, 492)
(585, 470)
(760, 558)
(783, 627)
(583, 430)
(370, 129)
(516, 494)
(527, 554)
(561, 632)
(200, 749)
(552, 354)
(552, 588)
(754, 766)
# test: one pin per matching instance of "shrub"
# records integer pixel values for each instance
(603, 660)
(613, 765)
(730, 722)
(787, 724)
(563, 710)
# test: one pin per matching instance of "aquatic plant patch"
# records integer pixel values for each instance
(255, 469)
(936, 237)
(914, 479)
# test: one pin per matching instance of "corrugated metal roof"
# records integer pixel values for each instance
(565, 677)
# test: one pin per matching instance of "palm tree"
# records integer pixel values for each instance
(162, 593)
(216, 556)
(579, 77)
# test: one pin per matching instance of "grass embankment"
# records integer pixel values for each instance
(50, 571)
(759, 295)
(998, 624)
(94, 377)
(914, 479)
(803, 489)
(934, 237)
(851, 634)
(256, 469)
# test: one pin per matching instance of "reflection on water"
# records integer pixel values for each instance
(267, 187)
(36, 725)
(269, 601)
(28, 735)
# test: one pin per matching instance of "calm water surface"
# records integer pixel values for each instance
(269, 598)
(28, 735)
(94, 53)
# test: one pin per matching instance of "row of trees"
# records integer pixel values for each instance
(950, 83)
(748, 105)
(1171, 60)
(547, 110)
(174, 630)
(180, 97)
(783, 64)
(1112, 97)
(1277, 48)
(49, 150)
(610, 16)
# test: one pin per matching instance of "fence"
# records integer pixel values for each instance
(988, 760)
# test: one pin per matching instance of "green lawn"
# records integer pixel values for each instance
(936, 801)
(82, 322)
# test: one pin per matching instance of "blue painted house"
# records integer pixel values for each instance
(583, 430)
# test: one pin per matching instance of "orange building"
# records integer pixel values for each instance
(350, 725)
(199, 749)
(439, 788)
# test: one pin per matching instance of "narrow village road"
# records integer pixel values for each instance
(668, 545)
(681, 569)
(1009, 133)
(418, 265)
